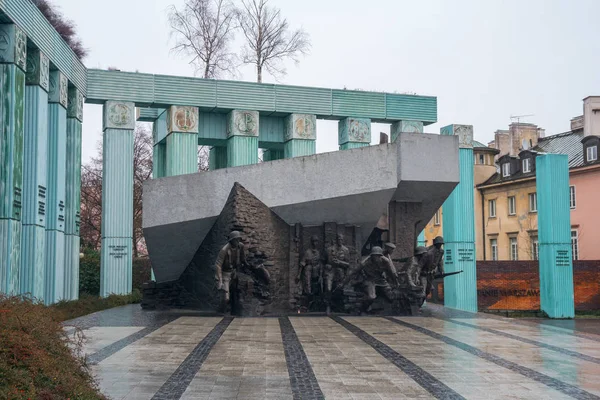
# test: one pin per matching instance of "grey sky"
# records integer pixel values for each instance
(484, 60)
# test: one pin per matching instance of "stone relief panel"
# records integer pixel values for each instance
(58, 88)
(464, 133)
(242, 123)
(407, 127)
(38, 69)
(75, 108)
(119, 115)
(301, 126)
(354, 130)
(182, 119)
(13, 45)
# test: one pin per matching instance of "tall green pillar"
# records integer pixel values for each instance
(354, 133)
(554, 233)
(217, 157)
(460, 291)
(35, 160)
(182, 140)
(56, 193)
(405, 126)
(73, 193)
(13, 54)
(242, 138)
(273, 154)
(421, 239)
(117, 198)
(300, 135)
(159, 153)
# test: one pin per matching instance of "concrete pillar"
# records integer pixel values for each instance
(300, 135)
(159, 154)
(56, 193)
(405, 126)
(35, 160)
(73, 193)
(554, 233)
(13, 53)
(182, 140)
(354, 132)
(242, 138)
(217, 158)
(117, 198)
(460, 291)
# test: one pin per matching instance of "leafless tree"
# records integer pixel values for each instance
(203, 30)
(203, 158)
(91, 192)
(268, 40)
(66, 28)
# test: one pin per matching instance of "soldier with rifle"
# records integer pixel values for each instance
(433, 266)
(311, 268)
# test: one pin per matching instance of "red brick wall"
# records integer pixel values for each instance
(515, 285)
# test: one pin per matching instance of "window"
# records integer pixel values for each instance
(481, 159)
(535, 248)
(505, 170)
(514, 249)
(592, 153)
(436, 218)
(526, 165)
(575, 245)
(492, 208)
(512, 205)
(494, 249)
(572, 196)
(532, 202)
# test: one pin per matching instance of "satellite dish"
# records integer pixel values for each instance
(525, 144)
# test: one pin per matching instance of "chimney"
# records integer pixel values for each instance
(577, 123)
(591, 116)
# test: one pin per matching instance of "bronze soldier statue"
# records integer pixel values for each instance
(377, 271)
(433, 266)
(231, 259)
(311, 268)
(388, 249)
(338, 261)
(415, 267)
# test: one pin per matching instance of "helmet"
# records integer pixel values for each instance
(313, 238)
(420, 250)
(376, 250)
(390, 245)
(438, 240)
(235, 235)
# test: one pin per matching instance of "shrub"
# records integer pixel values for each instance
(36, 361)
(89, 273)
(87, 304)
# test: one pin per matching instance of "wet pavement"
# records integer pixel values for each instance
(444, 354)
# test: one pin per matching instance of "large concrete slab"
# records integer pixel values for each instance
(347, 187)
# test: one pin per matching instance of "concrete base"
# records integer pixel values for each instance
(350, 187)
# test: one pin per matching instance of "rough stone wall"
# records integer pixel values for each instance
(402, 227)
(267, 241)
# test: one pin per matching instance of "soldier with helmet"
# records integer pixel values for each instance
(311, 268)
(388, 249)
(377, 270)
(434, 265)
(415, 268)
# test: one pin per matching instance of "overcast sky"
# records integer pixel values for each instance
(484, 60)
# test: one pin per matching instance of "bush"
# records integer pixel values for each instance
(87, 304)
(35, 359)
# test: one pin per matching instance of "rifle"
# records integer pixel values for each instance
(438, 276)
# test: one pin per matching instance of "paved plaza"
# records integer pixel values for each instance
(442, 354)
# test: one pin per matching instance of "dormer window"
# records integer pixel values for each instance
(505, 170)
(526, 165)
(592, 153)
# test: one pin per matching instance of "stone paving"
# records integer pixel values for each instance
(442, 354)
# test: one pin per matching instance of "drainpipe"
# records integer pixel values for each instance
(483, 222)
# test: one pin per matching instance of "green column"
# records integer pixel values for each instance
(242, 138)
(300, 135)
(460, 291)
(56, 193)
(12, 93)
(405, 126)
(354, 133)
(273, 154)
(554, 232)
(117, 198)
(73, 193)
(421, 239)
(159, 154)
(33, 235)
(182, 140)
(217, 157)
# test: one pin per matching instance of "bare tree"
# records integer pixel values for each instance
(204, 30)
(66, 28)
(268, 41)
(203, 158)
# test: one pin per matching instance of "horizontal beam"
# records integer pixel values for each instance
(40, 33)
(161, 91)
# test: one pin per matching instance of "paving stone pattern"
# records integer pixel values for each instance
(563, 387)
(178, 382)
(434, 386)
(302, 378)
